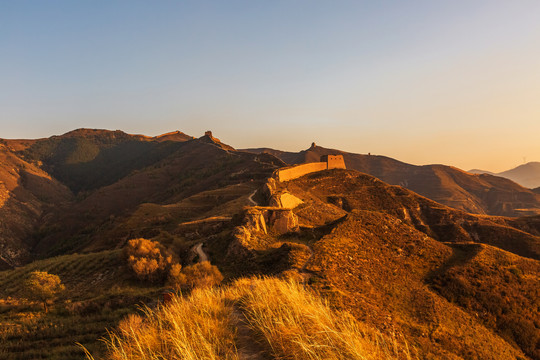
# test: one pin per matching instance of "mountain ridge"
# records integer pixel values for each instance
(480, 194)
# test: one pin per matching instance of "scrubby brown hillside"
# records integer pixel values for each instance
(27, 195)
(449, 280)
(101, 218)
(479, 194)
(87, 159)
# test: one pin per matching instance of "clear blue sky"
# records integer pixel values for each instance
(454, 82)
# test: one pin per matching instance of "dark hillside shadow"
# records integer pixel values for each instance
(84, 164)
(22, 211)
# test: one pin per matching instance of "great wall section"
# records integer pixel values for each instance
(276, 216)
(327, 162)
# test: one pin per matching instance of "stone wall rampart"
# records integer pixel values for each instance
(300, 170)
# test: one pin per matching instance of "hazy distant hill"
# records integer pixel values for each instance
(479, 172)
(527, 175)
(480, 194)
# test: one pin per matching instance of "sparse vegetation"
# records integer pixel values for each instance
(148, 259)
(268, 317)
(43, 287)
(200, 275)
(99, 292)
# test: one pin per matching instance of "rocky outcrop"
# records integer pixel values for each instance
(283, 221)
(255, 221)
(284, 200)
(277, 218)
(257, 224)
(264, 220)
(269, 188)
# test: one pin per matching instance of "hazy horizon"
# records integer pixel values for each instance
(421, 82)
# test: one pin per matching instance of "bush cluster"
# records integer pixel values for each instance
(200, 275)
(148, 259)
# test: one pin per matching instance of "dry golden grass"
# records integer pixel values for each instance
(297, 324)
(282, 318)
(198, 327)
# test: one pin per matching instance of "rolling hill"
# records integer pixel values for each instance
(27, 196)
(527, 175)
(452, 282)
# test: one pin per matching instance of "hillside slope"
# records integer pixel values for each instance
(100, 220)
(527, 175)
(450, 281)
(479, 194)
(27, 195)
(87, 159)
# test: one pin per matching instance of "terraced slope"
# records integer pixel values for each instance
(99, 292)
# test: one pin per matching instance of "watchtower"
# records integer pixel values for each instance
(334, 161)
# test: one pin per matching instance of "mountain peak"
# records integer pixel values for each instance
(209, 138)
(174, 136)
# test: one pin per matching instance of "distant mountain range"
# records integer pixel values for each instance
(527, 175)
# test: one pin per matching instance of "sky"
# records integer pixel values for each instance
(451, 82)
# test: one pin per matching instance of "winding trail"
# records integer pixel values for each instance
(246, 344)
(250, 198)
(202, 255)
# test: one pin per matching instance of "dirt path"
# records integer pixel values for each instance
(246, 344)
(202, 255)
(250, 198)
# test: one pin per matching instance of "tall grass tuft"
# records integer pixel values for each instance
(283, 319)
(193, 328)
(297, 324)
